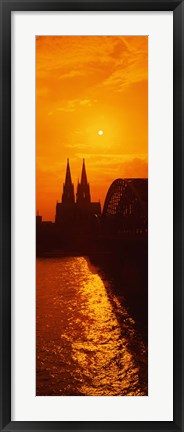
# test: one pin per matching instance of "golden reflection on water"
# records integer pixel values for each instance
(102, 340)
(86, 350)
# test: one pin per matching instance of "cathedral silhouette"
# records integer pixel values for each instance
(77, 219)
(79, 225)
(71, 213)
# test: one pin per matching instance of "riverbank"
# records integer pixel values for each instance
(86, 343)
(125, 264)
(128, 271)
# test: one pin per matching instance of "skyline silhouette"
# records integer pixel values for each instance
(92, 216)
(86, 85)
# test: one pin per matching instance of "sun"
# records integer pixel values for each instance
(100, 132)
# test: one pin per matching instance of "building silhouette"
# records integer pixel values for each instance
(38, 220)
(81, 227)
(76, 214)
(83, 191)
(68, 188)
(65, 210)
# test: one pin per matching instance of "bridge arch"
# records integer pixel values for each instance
(126, 206)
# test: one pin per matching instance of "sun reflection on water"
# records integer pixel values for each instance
(84, 350)
(102, 349)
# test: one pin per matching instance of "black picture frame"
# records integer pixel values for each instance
(6, 7)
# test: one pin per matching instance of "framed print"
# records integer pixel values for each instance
(85, 235)
(91, 215)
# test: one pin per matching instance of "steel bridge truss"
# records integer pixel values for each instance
(126, 206)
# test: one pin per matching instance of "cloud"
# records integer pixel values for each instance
(71, 55)
(107, 167)
(123, 77)
(110, 61)
(78, 146)
(71, 74)
(107, 158)
(132, 67)
(72, 105)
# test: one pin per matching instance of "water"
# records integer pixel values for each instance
(87, 343)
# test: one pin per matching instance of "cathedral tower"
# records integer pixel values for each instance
(83, 191)
(68, 187)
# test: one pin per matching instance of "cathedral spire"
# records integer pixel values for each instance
(83, 190)
(68, 187)
(68, 179)
(84, 176)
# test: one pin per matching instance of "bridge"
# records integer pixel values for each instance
(125, 211)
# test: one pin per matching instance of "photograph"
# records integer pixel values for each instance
(91, 215)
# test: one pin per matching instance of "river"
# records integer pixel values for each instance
(87, 342)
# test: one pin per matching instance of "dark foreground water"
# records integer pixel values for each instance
(87, 342)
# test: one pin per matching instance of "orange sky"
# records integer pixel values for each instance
(85, 84)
